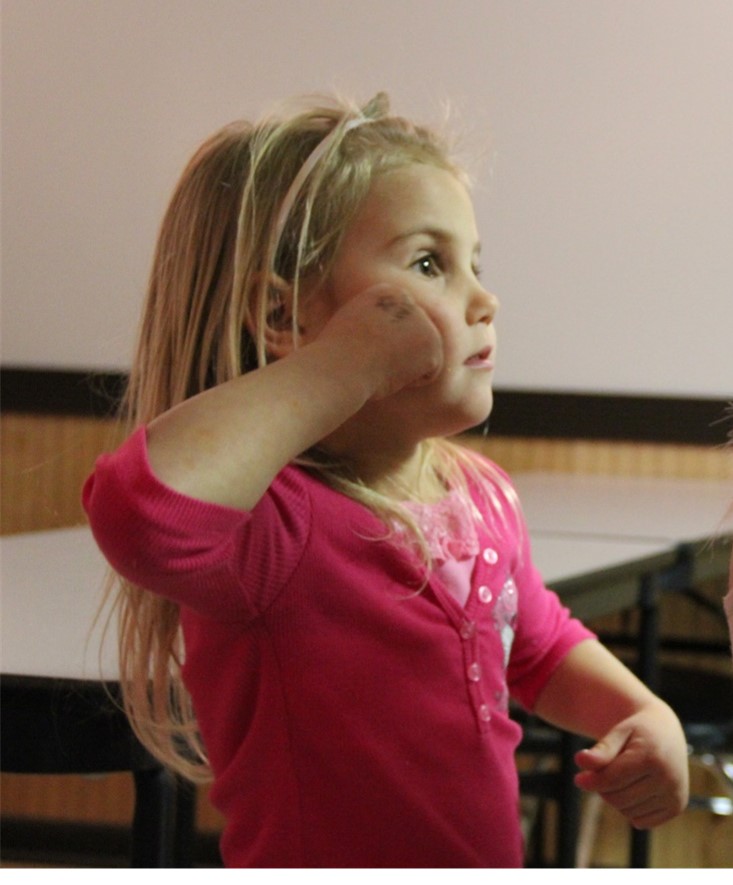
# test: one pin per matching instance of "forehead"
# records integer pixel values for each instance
(416, 198)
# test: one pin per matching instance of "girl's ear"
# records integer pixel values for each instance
(279, 337)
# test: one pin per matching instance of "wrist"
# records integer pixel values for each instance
(350, 372)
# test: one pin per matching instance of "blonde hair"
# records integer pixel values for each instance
(224, 236)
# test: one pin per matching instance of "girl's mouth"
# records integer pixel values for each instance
(480, 360)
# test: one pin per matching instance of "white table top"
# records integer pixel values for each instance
(52, 587)
(563, 558)
(642, 509)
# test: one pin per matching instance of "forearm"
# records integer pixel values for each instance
(591, 691)
(226, 445)
(639, 761)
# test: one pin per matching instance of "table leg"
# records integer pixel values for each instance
(154, 822)
(648, 671)
(648, 664)
(569, 804)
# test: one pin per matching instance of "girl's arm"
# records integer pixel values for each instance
(227, 444)
(639, 763)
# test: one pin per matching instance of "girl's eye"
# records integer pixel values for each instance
(428, 265)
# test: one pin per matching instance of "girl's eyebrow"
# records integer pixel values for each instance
(435, 233)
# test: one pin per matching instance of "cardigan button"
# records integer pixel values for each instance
(485, 594)
(484, 713)
(490, 556)
(468, 630)
(474, 672)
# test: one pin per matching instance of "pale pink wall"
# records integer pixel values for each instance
(604, 199)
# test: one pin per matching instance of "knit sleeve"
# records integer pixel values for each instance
(220, 561)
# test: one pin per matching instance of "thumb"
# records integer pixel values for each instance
(605, 750)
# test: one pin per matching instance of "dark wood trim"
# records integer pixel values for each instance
(54, 392)
(539, 414)
(550, 415)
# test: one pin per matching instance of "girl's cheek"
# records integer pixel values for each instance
(441, 318)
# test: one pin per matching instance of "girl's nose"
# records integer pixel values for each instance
(484, 306)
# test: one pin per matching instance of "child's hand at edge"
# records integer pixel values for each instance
(385, 327)
(640, 767)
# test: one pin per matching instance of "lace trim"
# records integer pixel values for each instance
(449, 527)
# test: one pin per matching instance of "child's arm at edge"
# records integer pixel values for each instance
(639, 762)
(226, 445)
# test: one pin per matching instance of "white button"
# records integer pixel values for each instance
(484, 713)
(468, 629)
(490, 556)
(485, 594)
(474, 672)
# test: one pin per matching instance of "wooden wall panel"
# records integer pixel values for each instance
(45, 459)
(613, 458)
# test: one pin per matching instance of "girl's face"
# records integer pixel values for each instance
(417, 230)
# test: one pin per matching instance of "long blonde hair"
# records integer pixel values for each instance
(225, 233)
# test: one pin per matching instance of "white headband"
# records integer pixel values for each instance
(305, 170)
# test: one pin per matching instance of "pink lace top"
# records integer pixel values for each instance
(450, 531)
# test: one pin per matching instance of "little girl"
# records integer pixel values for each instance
(326, 605)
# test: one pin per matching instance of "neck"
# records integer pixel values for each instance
(399, 470)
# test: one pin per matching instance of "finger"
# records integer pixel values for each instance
(651, 812)
(626, 798)
(394, 300)
(647, 802)
(605, 750)
(612, 779)
(654, 818)
(397, 305)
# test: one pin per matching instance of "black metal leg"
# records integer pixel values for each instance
(164, 824)
(640, 849)
(185, 831)
(648, 670)
(569, 805)
(154, 822)
(648, 665)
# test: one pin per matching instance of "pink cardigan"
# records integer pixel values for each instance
(350, 720)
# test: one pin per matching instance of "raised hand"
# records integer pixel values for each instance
(390, 338)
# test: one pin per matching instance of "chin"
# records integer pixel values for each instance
(479, 408)
(464, 419)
